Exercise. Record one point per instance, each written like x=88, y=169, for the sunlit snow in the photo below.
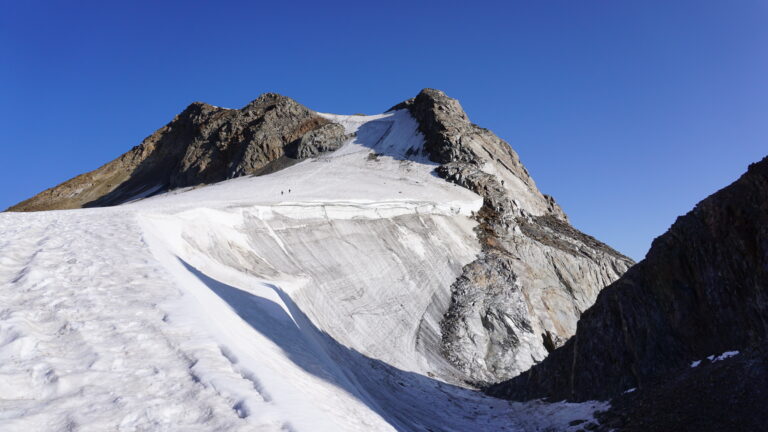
x=304, y=300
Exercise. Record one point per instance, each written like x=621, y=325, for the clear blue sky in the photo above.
x=628, y=113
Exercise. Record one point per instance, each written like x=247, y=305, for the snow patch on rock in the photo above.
x=714, y=358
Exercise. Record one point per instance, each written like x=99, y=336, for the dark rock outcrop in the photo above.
x=701, y=290
x=523, y=295
x=324, y=139
x=474, y=157
x=203, y=144
x=725, y=395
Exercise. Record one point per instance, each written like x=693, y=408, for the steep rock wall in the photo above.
x=701, y=290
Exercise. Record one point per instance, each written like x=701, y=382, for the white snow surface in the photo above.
x=241, y=306
x=715, y=358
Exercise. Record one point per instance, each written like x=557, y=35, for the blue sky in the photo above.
x=628, y=113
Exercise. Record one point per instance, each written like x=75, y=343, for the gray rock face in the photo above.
x=476, y=157
x=487, y=332
x=324, y=139
x=523, y=295
x=702, y=290
x=203, y=144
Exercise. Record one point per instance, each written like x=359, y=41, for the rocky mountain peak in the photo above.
x=202, y=144
x=474, y=157
x=523, y=295
x=273, y=100
x=442, y=104
x=198, y=105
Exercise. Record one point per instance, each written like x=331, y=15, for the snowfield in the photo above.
x=304, y=300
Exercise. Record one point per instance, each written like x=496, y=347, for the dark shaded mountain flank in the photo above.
x=702, y=290
x=203, y=144
x=725, y=395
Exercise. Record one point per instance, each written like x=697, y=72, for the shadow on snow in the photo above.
x=408, y=401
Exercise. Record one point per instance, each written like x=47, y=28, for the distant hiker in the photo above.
x=281, y=192
x=289, y=191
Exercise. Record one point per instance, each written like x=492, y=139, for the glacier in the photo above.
x=308, y=299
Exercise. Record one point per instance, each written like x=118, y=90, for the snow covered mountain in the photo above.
x=358, y=273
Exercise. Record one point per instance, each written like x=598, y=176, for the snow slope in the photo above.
x=305, y=300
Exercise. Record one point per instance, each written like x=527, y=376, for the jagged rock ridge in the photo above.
x=702, y=290
x=203, y=144
x=523, y=295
